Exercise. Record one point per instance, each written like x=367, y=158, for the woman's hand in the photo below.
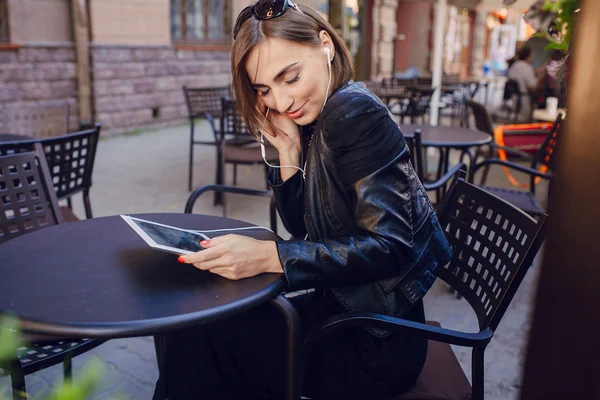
x=287, y=138
x=235, y=257
x=287, y=142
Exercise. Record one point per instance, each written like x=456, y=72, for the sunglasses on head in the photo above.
x=262, y=10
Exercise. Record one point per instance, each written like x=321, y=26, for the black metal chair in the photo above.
x=189, y=205
x=439, y=185
x=236, y=145
x=511, y=104
x=542, y=160
x=483, y=123
x=28, y=202
x=70, y=159
x=493, y=245
x=200, y=103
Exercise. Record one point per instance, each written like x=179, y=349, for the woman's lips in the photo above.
x=297, y=114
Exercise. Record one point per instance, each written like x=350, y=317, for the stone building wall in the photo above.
x=36, y=74
x=137, y=87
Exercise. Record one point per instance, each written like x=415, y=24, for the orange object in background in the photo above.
x=518, y=137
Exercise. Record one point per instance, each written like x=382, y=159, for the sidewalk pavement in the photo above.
x=147, y=172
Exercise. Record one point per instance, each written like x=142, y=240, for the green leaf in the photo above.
x=557, y=46
x=10, y=338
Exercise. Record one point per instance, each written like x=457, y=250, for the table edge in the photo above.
x=112, y=330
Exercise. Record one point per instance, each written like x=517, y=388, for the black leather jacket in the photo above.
x=374, y=242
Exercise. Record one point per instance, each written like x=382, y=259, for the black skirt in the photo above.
x=244, y=357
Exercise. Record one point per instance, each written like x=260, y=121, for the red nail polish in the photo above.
x=205, y=242
x=180, y=259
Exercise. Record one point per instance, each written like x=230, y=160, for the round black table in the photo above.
x=447, y=136
x=97, y=278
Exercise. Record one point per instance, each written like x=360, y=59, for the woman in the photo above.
x=365, y=235
x=522, y=72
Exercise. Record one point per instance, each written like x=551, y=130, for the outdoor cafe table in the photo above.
x=97, y=278
x=448, y=137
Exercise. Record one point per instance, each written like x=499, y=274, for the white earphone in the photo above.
x=263, y=151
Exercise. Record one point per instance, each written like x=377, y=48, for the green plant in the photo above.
x=560, y=29
x=88, y=380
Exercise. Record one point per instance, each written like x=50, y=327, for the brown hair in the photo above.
x=293, y=26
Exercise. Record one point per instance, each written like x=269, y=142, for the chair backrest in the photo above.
x=547, y=151
x=416, y=153
x=483, y=120
x=201, y=101
x=70, y=159
x=27, y=199
x=493, y=244
x=232, y=122
x=511, y=87
x=43, y=120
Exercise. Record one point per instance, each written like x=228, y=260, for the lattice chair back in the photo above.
x=27, y=199
x=546, y=153
x=201, y=101
x=483, y=120
x=493, y=244
x=70, y=160
x=232, y=122
x=41, y=121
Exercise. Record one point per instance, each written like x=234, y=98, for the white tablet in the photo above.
x=166, y=238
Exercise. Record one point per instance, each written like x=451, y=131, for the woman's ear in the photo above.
x=326, y=41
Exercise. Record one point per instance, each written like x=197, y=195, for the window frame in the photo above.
x=224, y=42
x=4, y=10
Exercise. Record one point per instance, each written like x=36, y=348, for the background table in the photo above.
x=11, y=137
x=543, y=115
x=97, y=278
x=447, y=136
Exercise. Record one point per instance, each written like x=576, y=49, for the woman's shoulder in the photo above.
x=351, y=101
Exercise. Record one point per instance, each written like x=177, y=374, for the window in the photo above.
x=4, y=21
x=200, y=20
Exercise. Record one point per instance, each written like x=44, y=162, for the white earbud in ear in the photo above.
x=328, y=54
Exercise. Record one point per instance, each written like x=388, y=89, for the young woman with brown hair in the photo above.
x=364, y=234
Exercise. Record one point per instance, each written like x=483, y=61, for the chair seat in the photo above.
x=68, y=214
x=248, y=154
x=44, y=350
x=442, y=377
x=524, y=200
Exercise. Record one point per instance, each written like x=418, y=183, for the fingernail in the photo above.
x=180, y=259
x=205, y=242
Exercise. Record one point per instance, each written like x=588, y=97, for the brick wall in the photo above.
x=34, y=74
x=131, y=83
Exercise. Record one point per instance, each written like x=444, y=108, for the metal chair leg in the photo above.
x=87, y=204
x=273, y=214
x=294, y=330
x=69, y=203
x=234, y=174
x=477, y=365
x=191, y=159
x=67, y=369
x=17, y=378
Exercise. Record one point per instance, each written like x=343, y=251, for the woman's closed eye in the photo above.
x=266, y=91
x=293, y=80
